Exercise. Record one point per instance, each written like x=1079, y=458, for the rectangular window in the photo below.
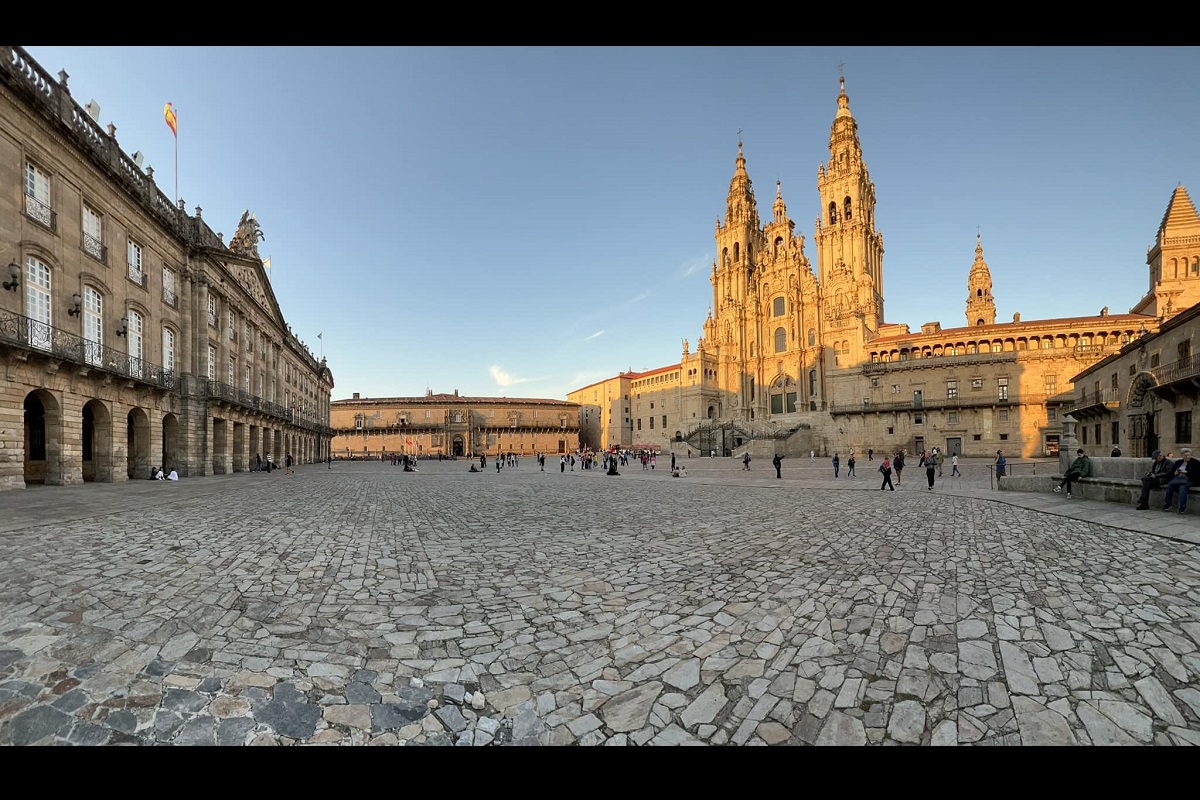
x=169, y=286
x=232, y=326
x=93, y=233
x=1183, y=426
x=212, y=311
x=975, y=437
x=246, y=378
x=1002, y=388
x=1116, y=432
x=952, y=417
x=664, y=421
x=895, y=388
x=212, y=363
x=37, y=195
x=133, y=256
x=232, y=372
x=996, y=347
x=776, y=404
x=1097, y=427
x=918, y=419
x=1154, y=359
x=249, y=333
x=790, y=402
x=778, y=307
x=651, y=423
x=1051, y=414
x=1115, y=383
x=1004, y=437
x=1004, y=415
x=93, y=326
x=951, y=389
x=639, y=423
x=976, y=384
x=1083, y=429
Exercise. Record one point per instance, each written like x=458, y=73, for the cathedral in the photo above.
x=796, y=359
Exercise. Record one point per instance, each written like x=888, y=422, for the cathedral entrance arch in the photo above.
x=457, y=447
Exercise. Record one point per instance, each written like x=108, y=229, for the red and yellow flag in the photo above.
x=169, y=116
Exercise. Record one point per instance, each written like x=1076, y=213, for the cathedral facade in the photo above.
x=796, y=357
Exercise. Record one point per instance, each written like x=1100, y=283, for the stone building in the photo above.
x=450, y=425
x=1143, y=398
x=796, y=357
x=131, y=336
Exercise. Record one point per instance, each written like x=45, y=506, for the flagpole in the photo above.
x=176, y=169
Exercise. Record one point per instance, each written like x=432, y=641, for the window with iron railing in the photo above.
x=134, y=260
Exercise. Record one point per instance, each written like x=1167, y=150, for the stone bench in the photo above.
x=1115, y=480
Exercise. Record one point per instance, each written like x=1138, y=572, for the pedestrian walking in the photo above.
x=329, y=461
x=898, y=465
x=850, y=467
x=746, y=462
x=954, y=473
x=777, y=461
x=812, y=456
x=885, y=469
x=837, y=464
x=1002, y=466
x=930, y=470
x=288, y=464
x=672, y=461
x=257, y=463
x=870, y=454
x=937, y=454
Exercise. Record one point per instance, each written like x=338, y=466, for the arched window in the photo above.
x=134, y=331
x=737, y=252
x=812, y=381
x=168, y=354
x=846, y=213
x=37, y=302
x=93, y=326
x=778, y=307
x=833, y=213
x=780, y=340
x=979, y=292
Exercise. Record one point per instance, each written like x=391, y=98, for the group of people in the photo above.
x=1177, y=476
x=156, y=474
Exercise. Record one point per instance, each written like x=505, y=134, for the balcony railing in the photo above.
x=243, y=397
x=169, y=296
x=94, y=248
x=37, y=210
x=136, y=275
x=1184, y=369
x=962, y=400
x=34, y=336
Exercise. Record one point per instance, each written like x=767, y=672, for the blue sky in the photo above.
x=524, y=221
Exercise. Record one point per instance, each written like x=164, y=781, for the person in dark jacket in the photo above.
x=1157, y=476
x=778, y=462
x=1184, y=476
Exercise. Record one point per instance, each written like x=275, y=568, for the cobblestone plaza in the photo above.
x=365, y=605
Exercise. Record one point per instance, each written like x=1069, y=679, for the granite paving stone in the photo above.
x=367, y=606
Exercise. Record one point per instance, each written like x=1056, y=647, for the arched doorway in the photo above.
x=457, y=447
x=170, y=443
x=97, y=442
x=43, y=436
x=137, y=439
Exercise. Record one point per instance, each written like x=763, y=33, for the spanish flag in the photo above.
x=169, y=115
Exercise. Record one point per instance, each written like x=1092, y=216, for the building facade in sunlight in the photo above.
x=449, y=425
x=797, y=356
x=131, y=335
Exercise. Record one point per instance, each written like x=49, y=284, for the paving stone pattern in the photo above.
x=367, y=606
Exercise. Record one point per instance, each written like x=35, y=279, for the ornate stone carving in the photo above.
x=245, y=241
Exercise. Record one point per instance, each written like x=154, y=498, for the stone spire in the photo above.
x=981, y=308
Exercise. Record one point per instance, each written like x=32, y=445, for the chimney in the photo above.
x=356, y=395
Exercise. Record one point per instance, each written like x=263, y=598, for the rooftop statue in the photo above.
x=245, y=241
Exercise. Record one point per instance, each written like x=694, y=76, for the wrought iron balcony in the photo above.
x=136, y=275
x=38, y=337
x=1183, y=370
x=94, y=248
x=224, y=392
x=40, y=212
x=961, y=400
x=168, y=296
x=1095, y=403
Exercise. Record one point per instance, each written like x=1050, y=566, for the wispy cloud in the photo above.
x=637, y=299
x=502, y=378
x=594, y=335
x=699, y=264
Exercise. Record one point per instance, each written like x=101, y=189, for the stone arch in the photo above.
x=43, y=439
x=170, y=443
x=137, y=453
x=1139, y=387
x=97, y=457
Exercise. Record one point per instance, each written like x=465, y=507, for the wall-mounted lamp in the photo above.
x=14, y=275
x=76, y=303
x=124, y=329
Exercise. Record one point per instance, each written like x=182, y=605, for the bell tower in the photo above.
x=849, y=249
x=1174, y=261
x=981, y=308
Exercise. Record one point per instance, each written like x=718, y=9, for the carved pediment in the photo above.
x=249, y=279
